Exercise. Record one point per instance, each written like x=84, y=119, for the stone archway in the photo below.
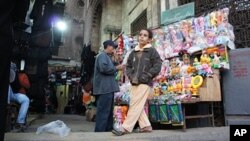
x=96, y=27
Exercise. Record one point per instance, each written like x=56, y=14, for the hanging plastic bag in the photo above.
x=55, y=127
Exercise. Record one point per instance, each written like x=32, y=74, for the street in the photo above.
x=83, y=130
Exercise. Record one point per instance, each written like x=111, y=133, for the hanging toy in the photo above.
x=200, y=26
x=186, y=30
x=210, y=37
x=219, y=15
x=118, y=75
x=120, y=46
x=213, y=20
x=116, y=125
x=124, y=112
x=207, y=22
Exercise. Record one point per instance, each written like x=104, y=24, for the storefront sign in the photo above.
x=177, y=14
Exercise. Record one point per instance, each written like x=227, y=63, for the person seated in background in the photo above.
x=15, y=95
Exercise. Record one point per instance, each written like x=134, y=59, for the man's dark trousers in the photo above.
x=104, y=115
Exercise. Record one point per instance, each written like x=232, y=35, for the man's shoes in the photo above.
x=20, y=127
x=119, y=133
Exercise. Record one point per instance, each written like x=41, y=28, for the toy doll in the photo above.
x=175, y=69
x=164, y=88
x=178, y=87
x=219, y=16
x=186, y=28
x=157, y=91
x=170, y=87
x=201, y=25
x=213, y=20
x=225, y=13
x=207, y=69
x=210, y=37
x=186, y=85
x=168, y=50
x=216, y=61
x=175, y=38
x=204, y=59
x=207, y=22
x=186, y=62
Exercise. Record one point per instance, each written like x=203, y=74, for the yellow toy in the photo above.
x=157, y=91
x=179, y=87
x=205, y=59
x=175, y=69
x=213, y=19
x=196, y=84
x=170, y=89
x=186, y=85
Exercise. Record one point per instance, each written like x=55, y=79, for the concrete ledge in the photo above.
x=195, y=134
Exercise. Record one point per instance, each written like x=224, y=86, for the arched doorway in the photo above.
x=96, y=28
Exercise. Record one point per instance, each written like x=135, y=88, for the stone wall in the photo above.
x=73, y=17
x=111, y=19
x=133, y=8
x=115, y=14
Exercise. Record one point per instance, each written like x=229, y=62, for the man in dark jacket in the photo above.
x=104, y=86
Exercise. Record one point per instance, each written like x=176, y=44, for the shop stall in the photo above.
x=64, y=91
x=193, y=51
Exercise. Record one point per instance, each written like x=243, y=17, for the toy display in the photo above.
x=190, y=50
x=194, y=34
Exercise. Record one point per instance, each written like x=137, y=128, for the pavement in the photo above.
x=83, y=130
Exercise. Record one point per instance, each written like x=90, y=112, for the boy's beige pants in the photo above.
x=138, y=98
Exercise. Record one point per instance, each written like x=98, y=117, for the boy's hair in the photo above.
x=150, y=33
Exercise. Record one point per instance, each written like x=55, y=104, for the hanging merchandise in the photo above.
x=194, y=34
x=120, y=113
x=122, y=97
x=120, y=49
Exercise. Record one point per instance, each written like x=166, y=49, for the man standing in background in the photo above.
x=104, y=87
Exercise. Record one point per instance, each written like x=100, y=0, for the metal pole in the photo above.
x=52, y=33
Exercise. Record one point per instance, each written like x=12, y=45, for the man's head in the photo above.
x=109, y=46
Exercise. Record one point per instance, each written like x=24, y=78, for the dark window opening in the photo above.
x=139, y=23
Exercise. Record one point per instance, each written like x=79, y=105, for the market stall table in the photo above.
x=196, y=101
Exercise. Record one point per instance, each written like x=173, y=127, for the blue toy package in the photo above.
x=176, y=114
